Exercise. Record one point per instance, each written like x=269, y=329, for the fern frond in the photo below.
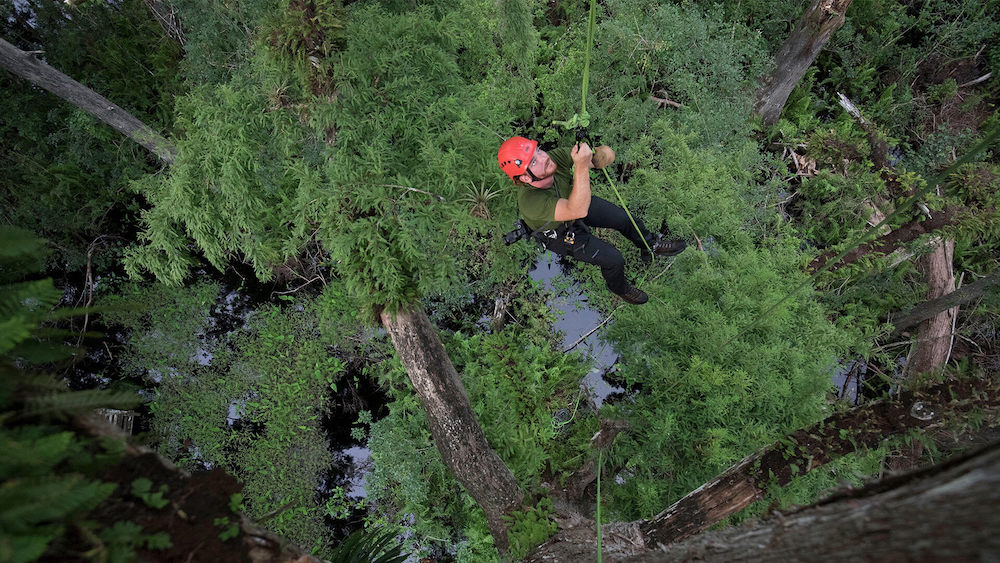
x=18, y=243
x=12, y=331
x=37, y=382
x=24, y=502
x=79, y=402
x=33, y=299
x=33, y=351
x=27, y=454
x=364, y=546
x=28, y=547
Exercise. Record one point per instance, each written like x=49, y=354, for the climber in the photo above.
x=556, y=206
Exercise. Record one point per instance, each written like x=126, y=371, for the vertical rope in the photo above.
x=600, y=468
x=586, y=61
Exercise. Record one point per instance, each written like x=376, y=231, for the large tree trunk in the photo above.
x=944, y=513
x=746, y=482
x=37, y=72
x=797, y=54
x=935, y=335
x=452, y=422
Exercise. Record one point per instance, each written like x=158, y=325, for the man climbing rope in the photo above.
x=556, y=205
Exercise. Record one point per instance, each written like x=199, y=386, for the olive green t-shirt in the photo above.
x=537, y=205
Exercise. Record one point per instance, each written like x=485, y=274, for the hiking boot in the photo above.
x=664, y=247
x=634, y=295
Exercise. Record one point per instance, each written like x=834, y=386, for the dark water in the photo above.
x=576, y=318
x=240, y=298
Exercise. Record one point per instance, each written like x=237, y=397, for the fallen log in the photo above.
x=946, y=512
x=776, y=465
x=805, y=450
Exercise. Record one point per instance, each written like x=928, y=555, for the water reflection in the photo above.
x=577, y=319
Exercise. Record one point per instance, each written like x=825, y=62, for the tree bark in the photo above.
x=934, y=337
x=885, y=244
x=776, y=465
x=453, y=424
x=796, y=55
x=943, y=513
x=966, y=293
x=44, y=76
x=805, y=450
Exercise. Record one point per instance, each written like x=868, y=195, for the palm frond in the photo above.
x=366, y=546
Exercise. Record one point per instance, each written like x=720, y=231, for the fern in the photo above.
x=31, y=451
x=44, y=482
x=367, y=546
x=66, y=404
x=13, y=330
x=28, y=547
x=31, y=501
x=34, y=298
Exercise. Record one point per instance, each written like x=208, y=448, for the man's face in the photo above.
x=541, y=166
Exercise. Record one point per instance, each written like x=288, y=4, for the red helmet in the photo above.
x=515, y=155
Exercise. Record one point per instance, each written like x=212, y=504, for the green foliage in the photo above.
x=853, y=469
x=265, y=160
x=514, y=389
x=65, y=175
x=368, y=546
x=226, y=189
x=48, y=473
x=229, y=529
x=143, y=489
x=250, y=401
x=164, y=325
x=122, y=538
x=361, y=128
x=719, y=378
x=530, y=528
x=888, y=50
x=406, y=116
x=677, y=52
x=236, y=502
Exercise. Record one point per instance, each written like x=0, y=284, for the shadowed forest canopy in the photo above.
x=335, y=185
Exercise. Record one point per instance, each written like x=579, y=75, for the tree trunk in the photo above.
x=944, y=513
x=805, y=450
x=795, y=455
x=887, y=243
x=40, y=74
x=797, y=54
x=928, y=309
x=452, y=422
x=935, y=335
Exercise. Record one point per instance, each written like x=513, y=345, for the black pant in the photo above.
x=592, y=250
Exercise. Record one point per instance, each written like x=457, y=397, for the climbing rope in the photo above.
x=600, y=468
x=581, y=121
